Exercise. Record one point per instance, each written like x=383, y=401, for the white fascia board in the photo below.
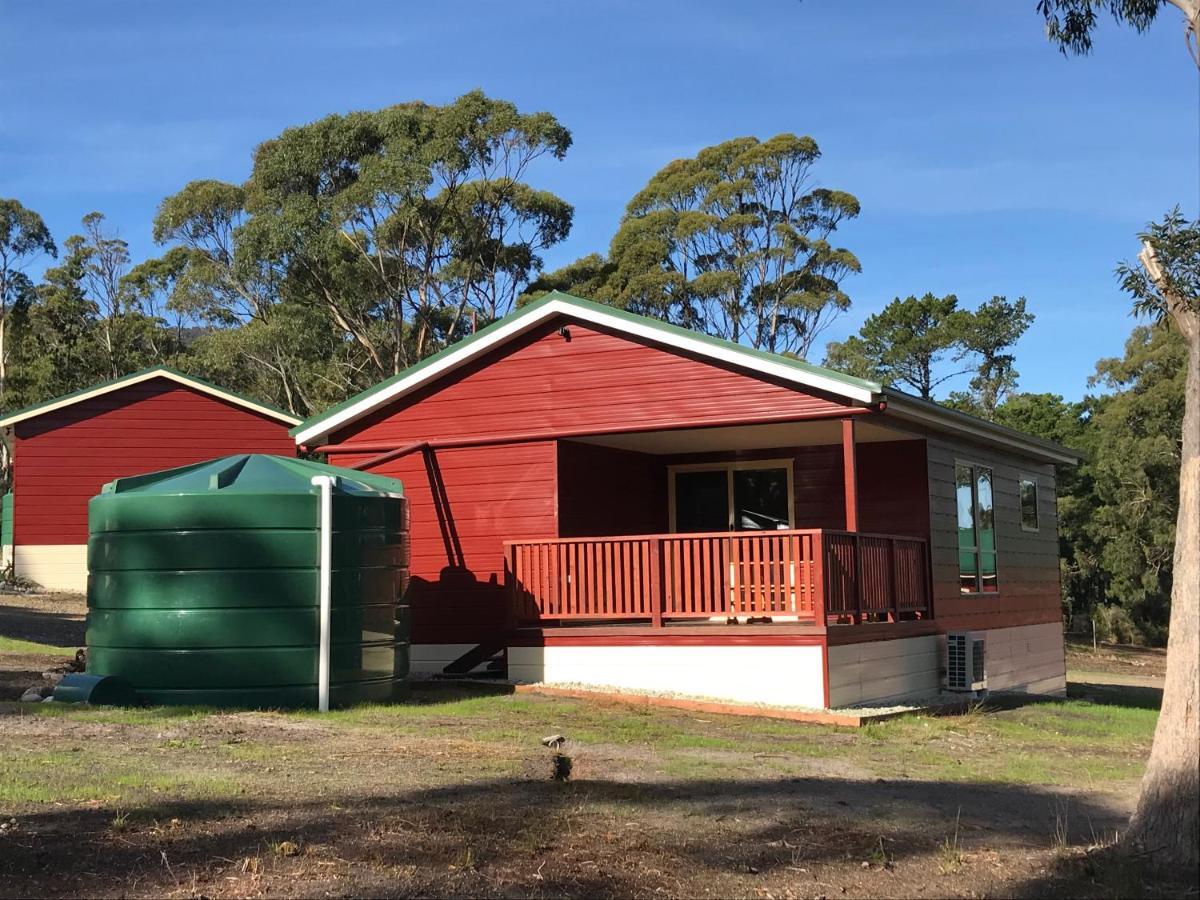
x=101, y=390
x=522, y=324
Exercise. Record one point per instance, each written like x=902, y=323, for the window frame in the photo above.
x=977, y=551
x=729, y=468
x=1023, y=479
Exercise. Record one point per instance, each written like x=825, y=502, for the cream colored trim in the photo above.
x=56, y=567
x=729, y=468
x=521, y=324
x=121, y=383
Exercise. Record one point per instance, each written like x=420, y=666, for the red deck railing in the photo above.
x=810, y=576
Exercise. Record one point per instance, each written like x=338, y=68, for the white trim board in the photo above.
x=138, y=378
x=521, y=324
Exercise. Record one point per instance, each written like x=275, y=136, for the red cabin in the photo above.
x=601, y=498
x=65, y=450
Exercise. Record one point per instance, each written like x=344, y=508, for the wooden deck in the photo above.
x=812, y=577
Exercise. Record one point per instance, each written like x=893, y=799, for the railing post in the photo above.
x=858, y=613
x=820, y=606
x=656, y=586
x=894, y=612
x=510, y=582
x=850, y=474
x=927, y=562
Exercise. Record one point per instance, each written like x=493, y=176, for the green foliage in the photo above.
x=404, y=223
x=1176, y=246
x=734, y=242
x=910, y=341
x=86, y=322
x=23, y=237
x=1071, y=23
x=1136, y=470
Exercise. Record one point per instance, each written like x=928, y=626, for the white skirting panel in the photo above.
x=881, y=672
x=781, y=676
x=431, y=659
x=56, y=567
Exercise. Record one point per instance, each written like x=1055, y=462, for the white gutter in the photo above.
x=325, y=526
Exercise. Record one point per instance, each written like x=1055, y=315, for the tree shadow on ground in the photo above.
x=1108, y=872
x=24, y=623
x=708, y=828
x=1127, y=695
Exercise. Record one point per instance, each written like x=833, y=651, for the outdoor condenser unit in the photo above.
x=965, y=668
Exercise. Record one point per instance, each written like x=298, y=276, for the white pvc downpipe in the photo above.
x=325, y=531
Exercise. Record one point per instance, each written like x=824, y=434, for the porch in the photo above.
x=807, y=577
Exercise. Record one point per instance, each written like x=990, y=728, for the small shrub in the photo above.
x=1114, y=625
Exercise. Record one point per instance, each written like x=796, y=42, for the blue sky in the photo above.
x=986, y=163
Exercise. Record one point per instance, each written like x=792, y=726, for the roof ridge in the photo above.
x=571, y=300
x=34, y=409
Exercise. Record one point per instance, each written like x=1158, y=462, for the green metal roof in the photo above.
x=104, y=387
x=254, y=473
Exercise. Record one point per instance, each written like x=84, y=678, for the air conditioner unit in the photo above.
x=965, y=668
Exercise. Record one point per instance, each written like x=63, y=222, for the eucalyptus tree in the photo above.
x=247, y=337
x=407, y=223
x=735, y=242
x=23, y=237
x=1165, y=284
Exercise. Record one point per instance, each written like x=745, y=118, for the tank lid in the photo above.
x=255, y=473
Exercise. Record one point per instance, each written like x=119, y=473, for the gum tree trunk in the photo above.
x=1167, y=821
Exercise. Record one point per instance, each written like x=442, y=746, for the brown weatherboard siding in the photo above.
x=1027, y=561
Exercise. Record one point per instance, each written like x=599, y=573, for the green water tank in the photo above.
x=204, y=584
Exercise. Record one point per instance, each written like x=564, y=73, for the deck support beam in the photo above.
x=850, y=474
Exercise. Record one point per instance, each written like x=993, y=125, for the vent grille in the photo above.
x=956, y=661
x=966, y=668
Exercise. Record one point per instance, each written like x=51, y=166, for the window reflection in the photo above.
x=977, y=567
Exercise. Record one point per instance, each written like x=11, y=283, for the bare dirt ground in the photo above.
x=1117, y=659
x=451, y=794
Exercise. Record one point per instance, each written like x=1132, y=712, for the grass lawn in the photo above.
x=12, y=645
x=451, y=794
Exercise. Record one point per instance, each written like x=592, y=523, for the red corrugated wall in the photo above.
x=595, y=381
x=465, y=502
x=63, y=458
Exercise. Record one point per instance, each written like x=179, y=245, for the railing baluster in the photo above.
x=811, y=574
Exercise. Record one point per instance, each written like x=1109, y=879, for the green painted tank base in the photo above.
x=294, y=697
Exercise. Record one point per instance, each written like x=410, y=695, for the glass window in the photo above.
x=968, y=569
x=985, y=517
x=702, y=501
x=977, y=568
x=1029, y=505
x=731, y=496
x=760, y=499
